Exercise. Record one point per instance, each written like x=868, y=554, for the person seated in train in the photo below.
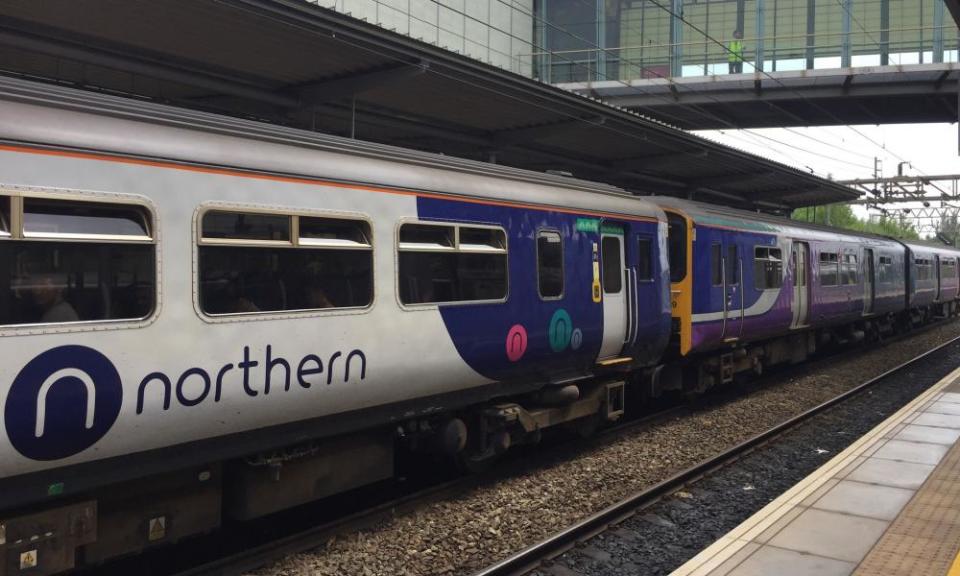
x=46, y=290
x=317, y=298
x=236, y=299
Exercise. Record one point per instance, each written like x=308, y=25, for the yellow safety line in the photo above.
x=955, y=567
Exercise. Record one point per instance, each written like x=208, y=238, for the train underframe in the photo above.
x=700, y=373
x=128, y=518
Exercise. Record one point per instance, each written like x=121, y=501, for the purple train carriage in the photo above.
x=750, y=290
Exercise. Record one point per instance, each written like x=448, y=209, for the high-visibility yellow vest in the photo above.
x=736, y=51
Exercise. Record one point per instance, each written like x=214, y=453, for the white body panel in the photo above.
x=179, y=163
x=408, y=353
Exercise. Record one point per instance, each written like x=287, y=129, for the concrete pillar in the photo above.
x=543, y=59
x=845, y=55
x=761, y=32
x=676, y=38
x=773, y=54
x=811, y=32
x=884, y=32
x=741, y=8
x=938, y=13
x=601, y=72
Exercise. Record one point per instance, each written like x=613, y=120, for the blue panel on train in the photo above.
x=526, y=335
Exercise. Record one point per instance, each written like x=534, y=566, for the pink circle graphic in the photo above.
x=516, y=342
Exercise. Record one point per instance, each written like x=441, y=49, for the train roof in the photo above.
x=103, y=124
x=927, y=244
x=756, y=221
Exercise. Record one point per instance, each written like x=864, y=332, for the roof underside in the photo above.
x=292, y=63
x=954, y=6
x=862, y=95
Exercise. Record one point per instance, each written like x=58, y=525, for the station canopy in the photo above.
x=293, y=63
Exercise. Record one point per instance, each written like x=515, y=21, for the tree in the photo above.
x=842, y=216
x=948, y=229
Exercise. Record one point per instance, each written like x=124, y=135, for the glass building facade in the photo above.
x=499, y=32
x=586, y=40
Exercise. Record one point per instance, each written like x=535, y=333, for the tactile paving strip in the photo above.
x=925, y=538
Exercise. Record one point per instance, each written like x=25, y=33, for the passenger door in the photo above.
x=869, y=281
x=732, y=290
x=614, y=295
x=936, y=265
x=800, y=260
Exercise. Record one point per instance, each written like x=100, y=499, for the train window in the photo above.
x=612, y=265
x=946, y=268
x=246, y=226
x=5, y=217
x=94, y=261
x=677, y=246
x=448, y=263
x=550, y=264
x=333, y=233
x=481, y=240
x=644, y=260
x=48, y=218
x=716, y=266
x=885, y=272
x=767, y=268
x=427, y=237
x=849, y=267
x=924, y=269
x=733, y=266
x=249, y=263
x=828, y=269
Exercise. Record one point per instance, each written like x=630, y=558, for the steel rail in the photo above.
x=534, y=556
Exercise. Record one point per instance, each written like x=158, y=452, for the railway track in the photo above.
x=542, y=553
x=254, y=557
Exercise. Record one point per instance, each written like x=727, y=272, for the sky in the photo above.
x=848, y=152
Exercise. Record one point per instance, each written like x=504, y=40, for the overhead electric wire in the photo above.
x=806, y=151
x=642, y=69
x=872, y=39
x=776, y=80
x=826, y=143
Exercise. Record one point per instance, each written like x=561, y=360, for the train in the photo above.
x=208, y=319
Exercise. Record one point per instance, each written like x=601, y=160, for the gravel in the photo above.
x=677, y=528
x=466, y=533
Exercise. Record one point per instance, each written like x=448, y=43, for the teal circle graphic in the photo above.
x=561, y=328
x=576, y=339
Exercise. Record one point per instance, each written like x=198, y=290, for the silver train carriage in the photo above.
x=205, y=317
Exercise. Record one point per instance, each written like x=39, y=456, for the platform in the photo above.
x=887, y=505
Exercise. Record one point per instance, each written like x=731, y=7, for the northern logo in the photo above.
x=62, y=402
